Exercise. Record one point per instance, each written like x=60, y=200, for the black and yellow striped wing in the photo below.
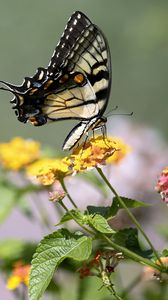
x=76, y=84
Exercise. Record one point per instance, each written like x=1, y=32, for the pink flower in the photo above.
x=162, y=185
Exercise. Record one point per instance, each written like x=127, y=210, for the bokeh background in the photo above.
x=137, y=32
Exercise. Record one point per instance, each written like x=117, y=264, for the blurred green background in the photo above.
x=137, y=32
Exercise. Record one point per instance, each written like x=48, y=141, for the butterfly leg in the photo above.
x=104, y=134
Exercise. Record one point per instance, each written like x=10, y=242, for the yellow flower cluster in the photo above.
x=49, y=170
x=19, y=275
x=18, y=153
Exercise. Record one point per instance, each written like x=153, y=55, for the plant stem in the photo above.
x=134, y=220
x=131, y=254
x=114, y=293
x=75, y=219
x=68, y=195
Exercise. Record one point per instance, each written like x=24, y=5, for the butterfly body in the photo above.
x=75, y=85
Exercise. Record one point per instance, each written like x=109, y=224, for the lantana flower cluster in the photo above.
x=18, y=153
x=21, y=154
x=19, y=275
x=162, y=185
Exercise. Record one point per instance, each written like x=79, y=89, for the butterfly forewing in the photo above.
x=67, y=41
x=75, y=85
x=87, y=54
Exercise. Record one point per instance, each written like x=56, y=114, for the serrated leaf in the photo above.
x=67, y=217
x=52, y=250
x=130, y=203
x=100, y=210
x=99, y=223
x=110, y=211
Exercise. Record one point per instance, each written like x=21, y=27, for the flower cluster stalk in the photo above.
x=134, y=220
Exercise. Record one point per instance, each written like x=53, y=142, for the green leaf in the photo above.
x=67, y=217
x=52, y=250
x=7, y=201
x=99, y=223
x=110, y=211
x=130, y=203
x=128, y=238
x=165, y=252
x=100, y=210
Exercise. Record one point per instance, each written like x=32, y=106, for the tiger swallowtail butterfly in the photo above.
x=75, y=85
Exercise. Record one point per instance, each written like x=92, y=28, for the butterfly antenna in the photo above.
x=124, y=114
x=109, y=113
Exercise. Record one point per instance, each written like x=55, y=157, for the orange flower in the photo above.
x=19, y=275
x=98, y=151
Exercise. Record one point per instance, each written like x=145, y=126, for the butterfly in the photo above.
x=75, y=85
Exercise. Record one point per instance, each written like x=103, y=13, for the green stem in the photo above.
x=129, y=213
x=75, y=219
x=131, y=254
x=68, y=195
x=114, y=293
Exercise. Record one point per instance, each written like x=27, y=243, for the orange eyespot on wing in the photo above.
x=64, y=79
x=33, y=121
x=32, y=91
x=79, y=78
x=47, y=84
